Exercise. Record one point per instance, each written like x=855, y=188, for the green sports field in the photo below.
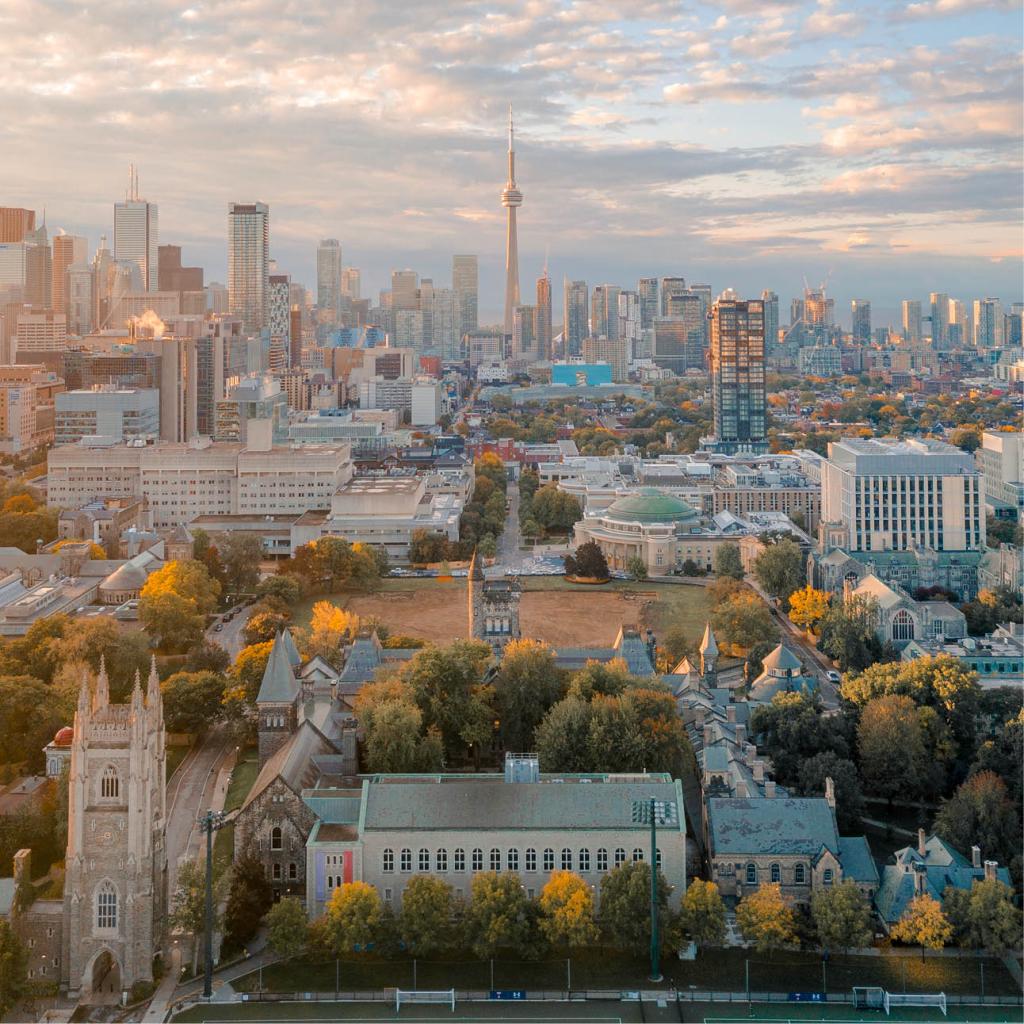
x=809, y=1013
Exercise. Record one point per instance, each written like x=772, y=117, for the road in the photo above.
x=230, y=637
x=509, y=555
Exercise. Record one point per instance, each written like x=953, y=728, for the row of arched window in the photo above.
x=507, y=860
x=751, y=874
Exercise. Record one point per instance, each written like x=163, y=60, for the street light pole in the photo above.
x=209, y=823
x=655, y=969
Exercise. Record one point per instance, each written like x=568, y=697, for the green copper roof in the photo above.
x=650, y=506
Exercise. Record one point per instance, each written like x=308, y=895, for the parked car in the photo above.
x=834, y=677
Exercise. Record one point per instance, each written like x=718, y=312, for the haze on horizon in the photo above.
x=743, y=143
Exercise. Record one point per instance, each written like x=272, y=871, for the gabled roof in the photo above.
x=791, y=826
x=855, y=857
x=708, y=644
x=279, y=685
x=632, y=648
x=293, y=762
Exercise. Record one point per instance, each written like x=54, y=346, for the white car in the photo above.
x=834, y=677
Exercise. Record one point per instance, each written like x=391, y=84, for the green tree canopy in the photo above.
x=728, y=562
x=250, y=897
x=780, y=568
x=625, y=912
x=287, y=929
x=842, y=917
x=499, y=915
x=703, y=913
x=526, y=685
x=193, y=701
x=984, y=917
x=427, y=921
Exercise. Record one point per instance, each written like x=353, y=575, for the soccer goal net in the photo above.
x=446, y=997
x=866, y=997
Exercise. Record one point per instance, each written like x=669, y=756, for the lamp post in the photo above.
x=209, y=823
x=654, y=812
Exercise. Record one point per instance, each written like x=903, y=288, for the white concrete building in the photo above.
x=106, y=411
x=426, y=403
x=1001, y=460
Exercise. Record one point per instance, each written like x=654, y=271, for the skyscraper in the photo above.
x=940, y=319
x=405, y=286
x=15, y=223
x=511, y=199
x=279, y=320
x=689, y=307
x=860, y=310
x=670, y=286
x=67, y=249
x=328, y=276
x=911, y=321
x=604, y=311
x=737, y=375
x=988, y=323
x=465, y=282
x=958, y=329
x=629, y=322
x=771, y=320
x=38, y=268
x=248, y=263
x=524, y=341
x=575, y=309
x=647, y=289
x=350, y=284
x=542, y=316
x=135, y=233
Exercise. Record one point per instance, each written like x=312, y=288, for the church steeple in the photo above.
x=101, y=695
x=709, y=656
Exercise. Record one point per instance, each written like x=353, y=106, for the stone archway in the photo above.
x=102, y=981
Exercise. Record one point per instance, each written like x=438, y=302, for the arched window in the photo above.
x=275, y=838
x=567, y=860
x=799, y=875
x=424, y=860
x=902, y=625
x=584, y=860
x=512, y=860
x=330, y=883
x=549, y=860
x=106, y=906
x=478, y=860
x=441, y=860
x=638, y=854
x=531, y=860
x=405, y=860
x=751, y=874
x=388, y=861
x=620, y=856
x=829, y=876
x=602, y=860
x=495, y=860
x=459, y=860
x=110, y=783
x=776, y=873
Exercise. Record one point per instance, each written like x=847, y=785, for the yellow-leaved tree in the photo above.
x=807, y=607
x=329, y=628
x=923, y=924
x=567, y=906
x=766, y=918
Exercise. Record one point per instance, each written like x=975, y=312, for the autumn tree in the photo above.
x=625, y=911
x=743, y=620
x=984, y=916
x=780, y=569
x=250, y=897
x=981, y=813
x=188, y=579
x=892, y=747
x=842, y=917
x=193, y=701
x=330, y=628
x=14, y=984
x=703, y=913
x=354, y=917
x=766, y=918
x=251, y=663
x=499, y=915
x=427, y=921
x=808, y=607
x=528, y=682
x=728, y=562
x=287, y=928
x=174, y=603
x=567, y=911
x=923, y=924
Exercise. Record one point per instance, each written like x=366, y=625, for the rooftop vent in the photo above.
x=522, y=768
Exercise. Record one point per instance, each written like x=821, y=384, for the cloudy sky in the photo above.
x=747, y=143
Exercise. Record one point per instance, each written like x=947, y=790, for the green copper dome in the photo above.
x=650, y=506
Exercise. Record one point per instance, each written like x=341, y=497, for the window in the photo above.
x=531, y=860
x=602, y=860
x=620, y=856
x=441, y=860
x=106, y=906
x=460, y=860
x=478, y=860
x=584, y=860
x=405, y=860
x=110, y=783
x=638, y=854
x=330, y=883
x=798, y=874
x=751, y=874
x=293, y=872
x=275, y=838
x=902, y=625
x=512, y=860
x=388, y=861
x=829, y=876
x=495, y=860
x=776, y=873
x=567, y=860
x=277, y=872
x=424, y=860
x=387, y=895
x=549, y=860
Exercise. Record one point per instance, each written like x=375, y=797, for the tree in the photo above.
x=780, y=568
x=207, y=656
x=625, y=912
x=983, y=917
x=811, y=777
x=330, y=628
x=848, y=633
x=20, y=503
x=241, y=554
x=427, y=546
x=567, y=911
x=188, y=906
x=193, y=701
x=354, y=917
x=841, y=916
x=250, y=897
x=588, y=562
x=526, y=685
x=703, y=913
x=263, y=626
x=499, y=915
x=283, y=586
x=488, y=546
x=923, y=924
x=394, y=739
x=766, y=918
x=637, y=568
x=249, y=667
x=555, y=510
x=891, y=745
x=742, y=621
x=30, y=714
x=980, y=813
x=808, y=607
x=330, y=564
x=562, y=740
x=727, y=561
x=186, y=579
x=426, y=923
x=14, y=984
x=287, y=929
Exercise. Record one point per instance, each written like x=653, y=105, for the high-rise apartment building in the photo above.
x=670, y=286
x=911, y=309
x=444, y=323
x=647, y=289
x=38, y=269
x=511, y=199
x=689, y=308
x=279, y=320
x=604, y=311
x=79, y=298
x=737, y=375
x=542, y=317
x=67, y=249
x=988, y=323
x=15, y=223
x=405, y=286
x=630, y=330
x=12, y=270
x=576, y=317
x=613, y=351
x=958, y=332
x=669, y=343
x=819, y=316
x=903, y=495
x=136, y=235
x=524, y=341
x=328, y=277
x=465, y=282
x=860, y=310
x=249, y=263
x=771, y=320
x=939, y=319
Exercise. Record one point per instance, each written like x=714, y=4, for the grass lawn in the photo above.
x=247, y=767
x=724, y=1013
x=596, y=1012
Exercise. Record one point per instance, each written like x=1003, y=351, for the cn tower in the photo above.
x=511, y=199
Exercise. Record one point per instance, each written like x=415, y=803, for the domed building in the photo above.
x=781, y=672
x=123, y=584
x=661, y=530
x=58, y=751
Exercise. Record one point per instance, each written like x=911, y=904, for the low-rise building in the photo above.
x=107, y=411
x=997, y=659
x=901, y=618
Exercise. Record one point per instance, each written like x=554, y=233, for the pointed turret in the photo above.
x=292, y=652
x=279, y=685
x=138, y=703
x=708, y=655
x=101, y=695
x=84, y=697
x=154, y=699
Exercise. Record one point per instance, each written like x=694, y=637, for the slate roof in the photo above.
x=630, y=645
x=788, y=826
x=781, y=659
x=708, y=644
x=279, y=685
x=293, y=762
x=294, y=658
x=858, y=864
x=366, y=655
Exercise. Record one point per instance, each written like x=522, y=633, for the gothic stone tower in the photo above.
x=493, y=607
x=115, y=889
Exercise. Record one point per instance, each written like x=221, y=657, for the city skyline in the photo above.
x=741, y=144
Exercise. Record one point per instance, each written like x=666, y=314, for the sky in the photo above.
x=747, y=143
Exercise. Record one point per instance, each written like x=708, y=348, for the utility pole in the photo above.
x=209, y=823
x=653, y=812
